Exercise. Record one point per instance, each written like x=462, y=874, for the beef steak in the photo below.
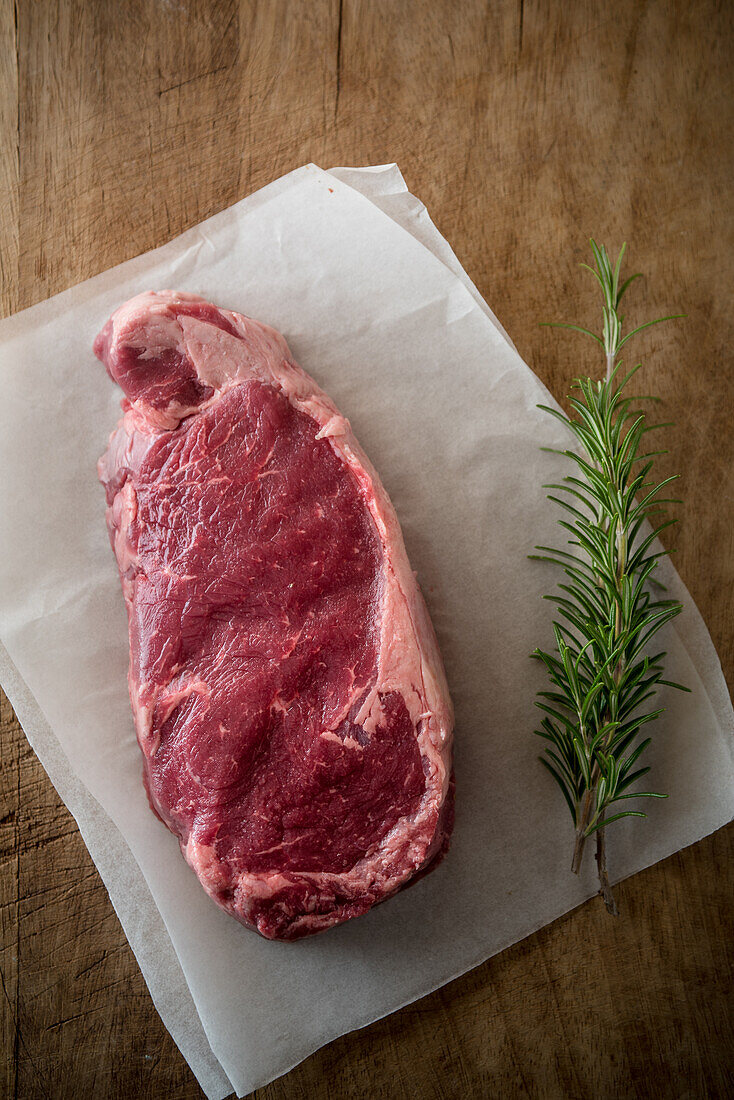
x=288, y=694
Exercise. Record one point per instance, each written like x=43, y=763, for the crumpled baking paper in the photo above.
x=376, y=307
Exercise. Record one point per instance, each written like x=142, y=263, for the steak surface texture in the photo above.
x=287, y=690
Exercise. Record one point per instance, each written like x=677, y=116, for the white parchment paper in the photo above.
x=376, y=307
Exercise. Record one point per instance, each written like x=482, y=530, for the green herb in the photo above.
x=602, y=672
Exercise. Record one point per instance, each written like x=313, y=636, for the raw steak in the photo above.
x=288, y=694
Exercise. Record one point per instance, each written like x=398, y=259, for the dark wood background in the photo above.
x=526, y=127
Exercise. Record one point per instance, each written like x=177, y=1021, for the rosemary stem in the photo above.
x=622, y=550
x=578, y=848
x=587, y=812
x=590, y=796
x=601, y=862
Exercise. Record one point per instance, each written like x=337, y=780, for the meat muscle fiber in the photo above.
x=287, y=690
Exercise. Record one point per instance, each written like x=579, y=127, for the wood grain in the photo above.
x=525, y=127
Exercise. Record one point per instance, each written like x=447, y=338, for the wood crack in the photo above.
x=338, y=58
x=66, y=1020
x=191, y=79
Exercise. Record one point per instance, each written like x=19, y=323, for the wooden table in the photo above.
x=525, y=128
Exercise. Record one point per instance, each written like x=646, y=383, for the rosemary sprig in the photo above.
x=602, y=672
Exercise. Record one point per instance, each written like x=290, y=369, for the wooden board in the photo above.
x=526, y=128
